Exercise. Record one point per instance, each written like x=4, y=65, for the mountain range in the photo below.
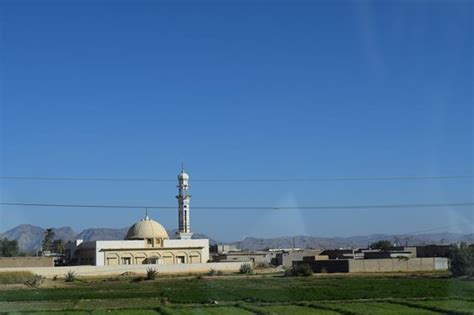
x=29, y=238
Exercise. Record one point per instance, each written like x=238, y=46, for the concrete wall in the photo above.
x=326, y=266
x=6, y=262
x=254, y=257
x=191, y=244
x=376, y=265
x=394, y=265
x=433, y=251
x=286, y=258
x=84, y=271
x=100, y=245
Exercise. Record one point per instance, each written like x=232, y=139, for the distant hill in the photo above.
x=29, y=236
x=102, y=234
x=352, y=241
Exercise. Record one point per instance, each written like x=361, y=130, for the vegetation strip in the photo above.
x=429, y=308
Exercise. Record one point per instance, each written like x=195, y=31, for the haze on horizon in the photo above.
x=239, y=90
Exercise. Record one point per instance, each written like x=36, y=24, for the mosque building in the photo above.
x=147, y=241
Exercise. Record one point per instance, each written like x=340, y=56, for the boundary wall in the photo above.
x=22, y=262
x=376, y=265
x=395, y=264
x=84, y=271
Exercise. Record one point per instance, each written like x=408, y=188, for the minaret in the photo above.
x=184, y=229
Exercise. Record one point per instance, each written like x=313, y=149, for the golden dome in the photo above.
x=146, y=229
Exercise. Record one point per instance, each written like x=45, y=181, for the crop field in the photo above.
x=270, y=294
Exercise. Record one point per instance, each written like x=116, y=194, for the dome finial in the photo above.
x=146, y=218
x=182, y=167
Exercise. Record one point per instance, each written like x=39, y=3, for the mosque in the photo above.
x=147, y=241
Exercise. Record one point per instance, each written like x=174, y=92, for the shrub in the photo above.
x=151, y=274
x=70, y=276
x=214, y=272
x=246, y=268
x=383, y=245
x=403, y=258
x=35, y=281
x=288, y=272
x=137, y=279
x=462, y=261
x=262, y=265
x=304, y=270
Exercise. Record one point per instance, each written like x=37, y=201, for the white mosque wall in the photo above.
x=100, y=245
x=192, y=243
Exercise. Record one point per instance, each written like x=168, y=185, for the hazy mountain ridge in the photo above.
x=302, y=241
x=29, y=238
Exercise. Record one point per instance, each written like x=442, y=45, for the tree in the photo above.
x=58, y=246
x=8, y=248
x=48, y=238
x=462, y=260
x=384, y=245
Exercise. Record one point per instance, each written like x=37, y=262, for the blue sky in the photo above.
x=239, y=89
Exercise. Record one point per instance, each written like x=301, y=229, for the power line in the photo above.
x=315, y=207
x=314, y=179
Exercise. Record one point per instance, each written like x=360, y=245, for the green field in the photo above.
x=270, y=294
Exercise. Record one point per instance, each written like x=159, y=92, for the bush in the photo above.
x=262, y=265
x=304, y=270
x=383, y=245
x=137, y=279
x=214, y=272
x=8, y=248
x=35, y=281
x=462, y=261
x=246, y=268
x=403, y=258
x=70, y=276
x=151, y=274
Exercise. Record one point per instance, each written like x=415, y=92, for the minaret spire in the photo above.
x=184, y=227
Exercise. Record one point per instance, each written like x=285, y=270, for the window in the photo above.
x=126, y=261
x=180, y=260
x=149, y=241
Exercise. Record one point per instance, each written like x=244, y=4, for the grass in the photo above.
x=378, y=308
x=249, y=294
x=295, y=309
x=212, y=310
x=254, y=289
x=17, y=277
x=453, y=305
